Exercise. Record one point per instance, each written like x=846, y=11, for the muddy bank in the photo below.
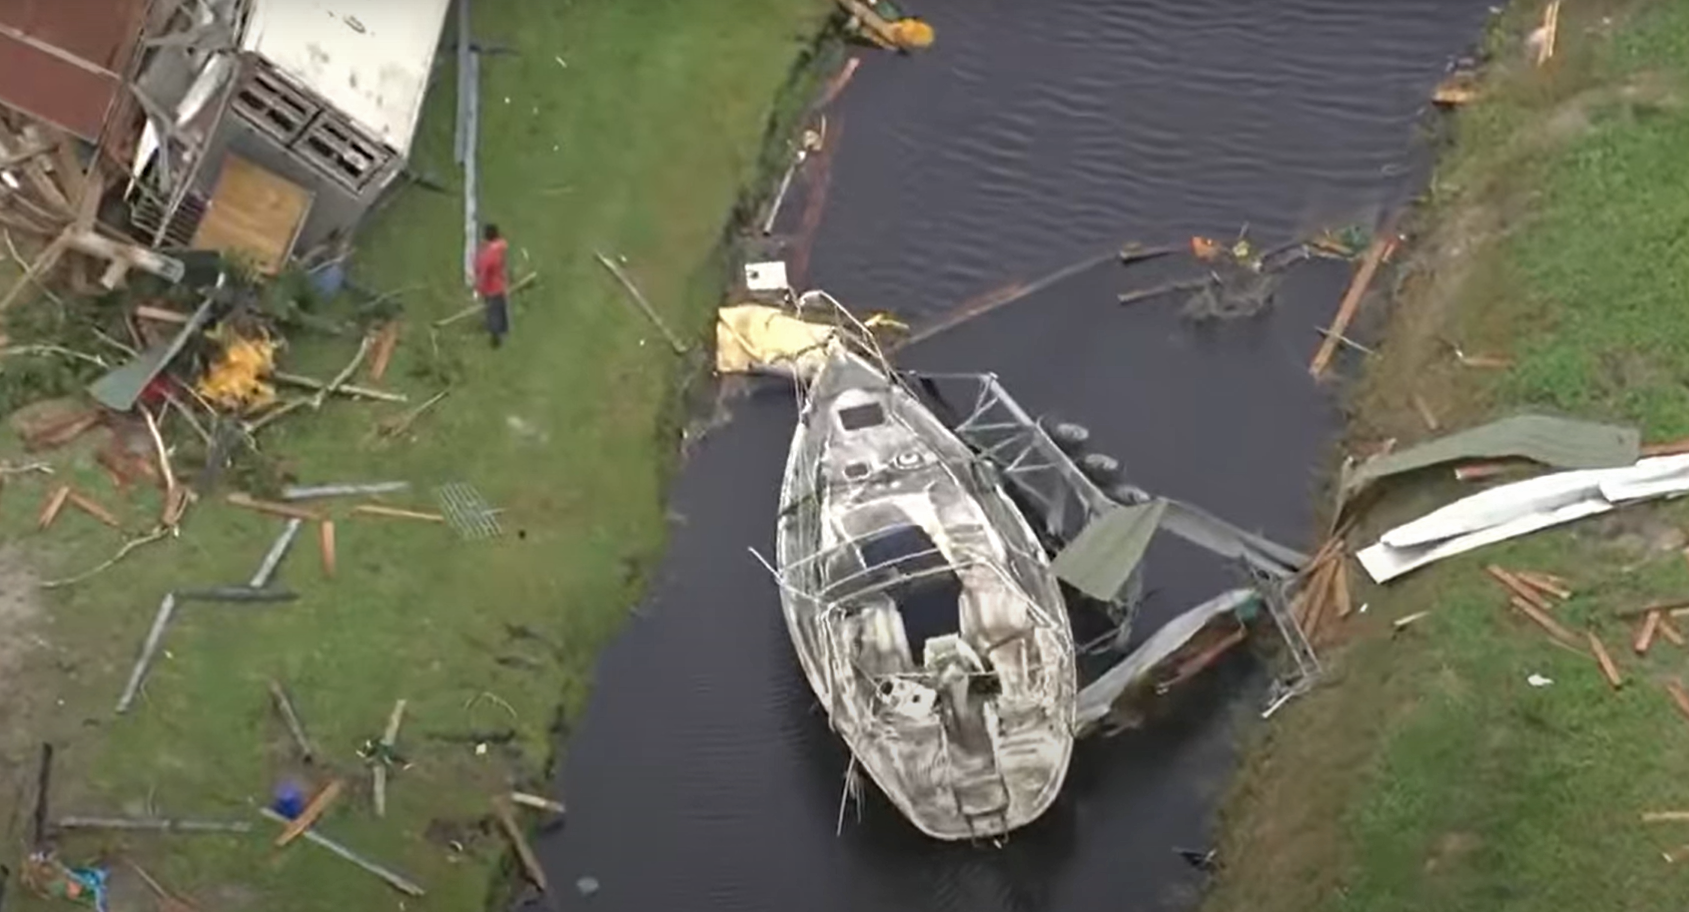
x=1029, y=138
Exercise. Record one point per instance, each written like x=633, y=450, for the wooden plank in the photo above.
x=1678, y=696
x=524, y=852
x=87, y=505
x=396, y=513
x=1375, y=254
x=287, y=511
x=1609, y=670
x=1670, y=631
x=1545, y=582
x=1544, y=621
x=1665, y=816
x=1645, y=636
x=312, y=812
x=325, y=541
x=51, y=508
x=160, y=314
x=1517, y=587
x=385, y=342
x=253, y=212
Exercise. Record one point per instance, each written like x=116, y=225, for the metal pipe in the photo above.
x=155, y=636
x=398, y=881
x=273, y=559
x=153, y=823
x=302, y=492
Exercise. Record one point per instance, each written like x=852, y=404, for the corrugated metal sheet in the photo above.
x=61, y=60
x=371, y=59
x=1559, y=442
x=1101, y=558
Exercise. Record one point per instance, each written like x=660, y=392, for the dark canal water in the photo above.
x=1032, y=136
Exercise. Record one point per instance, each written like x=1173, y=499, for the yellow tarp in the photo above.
x=754, y=338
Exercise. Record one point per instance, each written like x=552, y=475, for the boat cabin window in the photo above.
x=918, y=579
x=858, y=417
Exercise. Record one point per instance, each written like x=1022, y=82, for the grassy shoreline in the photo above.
x=656, y=125
x=1426, y=773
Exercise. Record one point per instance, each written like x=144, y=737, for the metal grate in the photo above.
x=273, y=105
x=467, y=511
x=145, y=215
x=346, y=153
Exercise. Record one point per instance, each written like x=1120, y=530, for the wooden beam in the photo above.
x=1381, y=247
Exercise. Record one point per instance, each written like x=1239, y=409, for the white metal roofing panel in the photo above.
x=368, y=58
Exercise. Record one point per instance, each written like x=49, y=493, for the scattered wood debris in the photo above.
x=524, y=852
x=1381, y=247
x=1403, y=622
x=1549, y=32
x=400, y=425
x=344, y=389
x=386, y=341
x=286, y=511
x=315, y=809
x=149, y=648
x=1518, y=587
x=1665, y=816
x=397, y=881
x=388, y=737
x=1678, y=696
x=52, y=507
x=1609, y=670
x=325, y=545
x=315, y=492
x=91, y=507
x=538, y=802
x=1667, y=448
x=396, y=513
x=295, y=727
x=1645, y=635
x=1425, y=413
x=637, y=297
x=160, y=824
x=1670, y=631
x=1541, y=618
x=1546, y=582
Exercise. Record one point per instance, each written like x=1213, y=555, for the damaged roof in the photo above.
x=368, y=58
x=62, y=61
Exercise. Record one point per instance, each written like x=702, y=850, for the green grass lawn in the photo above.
x=639, y=146
x=1427, y=774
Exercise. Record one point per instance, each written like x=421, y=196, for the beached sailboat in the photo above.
x=922, y=605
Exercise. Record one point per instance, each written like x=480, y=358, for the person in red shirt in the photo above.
x=491, y=283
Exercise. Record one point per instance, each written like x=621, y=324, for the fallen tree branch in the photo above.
x=157, y=534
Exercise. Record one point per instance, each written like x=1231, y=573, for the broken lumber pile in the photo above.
x=49, y=206
x=1324, y=596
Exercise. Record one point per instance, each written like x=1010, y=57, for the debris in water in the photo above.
x=1381, y=247
x=587, y=885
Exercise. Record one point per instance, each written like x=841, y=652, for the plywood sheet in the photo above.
x=253, y=212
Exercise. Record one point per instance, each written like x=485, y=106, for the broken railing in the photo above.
x=1101, y=537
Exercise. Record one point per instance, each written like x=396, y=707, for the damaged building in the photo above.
x=276, y=125
x=266, y=128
